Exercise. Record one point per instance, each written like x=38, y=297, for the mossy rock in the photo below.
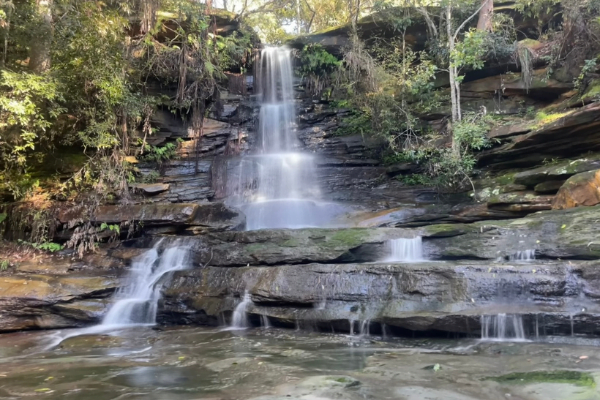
x=522, y=378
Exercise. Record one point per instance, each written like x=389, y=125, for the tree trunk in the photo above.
x=39, y=57
x=485, y=15
x=451, y=68
x=454, y=92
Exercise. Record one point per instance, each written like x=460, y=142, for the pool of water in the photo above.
x=273, y=364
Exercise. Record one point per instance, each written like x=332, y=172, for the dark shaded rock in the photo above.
x=217, y=217
x=399, y=169
x=549, y=187
x=505, y=131
x=579, y=190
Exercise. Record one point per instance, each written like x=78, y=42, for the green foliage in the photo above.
x=28, y=103
x=317, y=67
x=416, y=180
x=111, y=227
x=4, y=264
x=471, y=132
x=151, y=177
x=357, y=123
x=588, y=67
x=45, y=246
x=160, y=154
x=3, y=217
x=471, y=51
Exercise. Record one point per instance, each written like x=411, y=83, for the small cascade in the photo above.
x=240, y=317
x=137, y=302
x=264, y=321
x=407, y=250
x=365, y=327
x=525, y=255
x=502, y=327
x=351, y=323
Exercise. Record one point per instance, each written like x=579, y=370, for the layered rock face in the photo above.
x=331, y=279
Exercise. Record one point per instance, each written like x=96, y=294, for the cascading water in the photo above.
x=240, y=317
x=137, y=301
x=408, y=250
x=277, y=187
x=502, y=327
x=525, y=255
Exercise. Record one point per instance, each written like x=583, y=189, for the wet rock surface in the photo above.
x=445, y=297
x=255, y=364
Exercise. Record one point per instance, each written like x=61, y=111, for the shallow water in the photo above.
x=201, y=363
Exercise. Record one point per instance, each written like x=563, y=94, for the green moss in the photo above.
x=542, y=118
x=444, y=230
x=291, y=243
x=592, y=92
x=347, y=237
x=255, y=248
x=573, y=377
x=505, y=179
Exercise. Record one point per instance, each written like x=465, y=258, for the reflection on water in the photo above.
x=200, y=363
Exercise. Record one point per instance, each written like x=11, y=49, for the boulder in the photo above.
x=579, y=190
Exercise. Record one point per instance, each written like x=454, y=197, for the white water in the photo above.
x=525, y=255
x=137, y=301
x=502, y=327
x=240, y=317
x=277, y=187
x=408, y=250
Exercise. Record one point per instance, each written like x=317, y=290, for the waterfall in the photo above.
x=277, y=186
x=409, y=250
x=525, y=255
x=137, y=302
x=502, y=327
x=240, y=317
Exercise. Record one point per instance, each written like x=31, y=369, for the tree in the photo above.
x=39, y=60
x=485, y=15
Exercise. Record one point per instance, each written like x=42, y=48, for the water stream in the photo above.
x=136, y=302
x=276, y=186
x=502, y=327
x=408, y=250
x=207, y=363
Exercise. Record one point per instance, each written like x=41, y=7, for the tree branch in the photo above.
x=432, y=29
x=466, y=21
